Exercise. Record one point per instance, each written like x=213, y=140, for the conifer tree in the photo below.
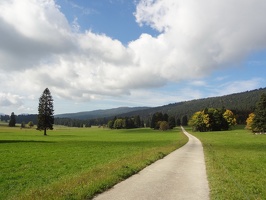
x=184, y=121
x=46, y=112
x=171, y=122
x=12, y=121
x=259, y=121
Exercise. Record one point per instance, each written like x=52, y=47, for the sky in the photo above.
x=101, y=54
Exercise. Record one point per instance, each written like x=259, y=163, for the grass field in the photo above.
x=76, y=163
x=236, y=163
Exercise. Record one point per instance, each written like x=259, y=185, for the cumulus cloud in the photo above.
x=200, y=36
x=237, y=86
x=8, y=99
x=40, y=48
x=32, y=31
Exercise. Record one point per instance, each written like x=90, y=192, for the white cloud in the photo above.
x=205, y=34
x=32, y=31
x=81, y=9
x=198, y=83
x=8, y=99
x=237, y=86
x=40, y=49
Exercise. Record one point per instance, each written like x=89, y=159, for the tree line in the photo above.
x=256, y=122
x=125, y=123
x=212, y=119
x=45, y=117
x=241, y=104
x=20, y=118
x=208, y=119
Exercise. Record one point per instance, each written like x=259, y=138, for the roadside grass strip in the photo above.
x=236, y=163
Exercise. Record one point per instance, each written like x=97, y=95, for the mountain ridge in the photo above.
x=100, y=113
x=242, y=104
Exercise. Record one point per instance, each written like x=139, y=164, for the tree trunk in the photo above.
x=45, y=131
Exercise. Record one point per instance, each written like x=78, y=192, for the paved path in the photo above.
x=180, y=175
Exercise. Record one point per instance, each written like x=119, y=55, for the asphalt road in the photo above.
x=180, y=175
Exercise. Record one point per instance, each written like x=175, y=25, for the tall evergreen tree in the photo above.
x=184, y=121
x=178, y=122
x=171, y=122
x=165, y=117
x=137, y=122
x=46, y=112
x=153, y=121
x=12, y=121
x=157, y=117
x=259, y=121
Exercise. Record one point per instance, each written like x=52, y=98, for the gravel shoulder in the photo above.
x=179, y=175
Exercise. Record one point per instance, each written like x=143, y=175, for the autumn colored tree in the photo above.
x=211, y=119
x=163, y=125
x=200, y=121
x=229, y=117
x=249, y=121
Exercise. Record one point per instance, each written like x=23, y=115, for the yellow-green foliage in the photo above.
x=211, y=119
x=229, y=117
x=249, y=121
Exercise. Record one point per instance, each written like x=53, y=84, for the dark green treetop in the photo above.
x=12, y=121
x=45, y=112
x=259, y=122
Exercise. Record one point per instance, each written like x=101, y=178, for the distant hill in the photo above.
x=240, y=103
x=101, y=113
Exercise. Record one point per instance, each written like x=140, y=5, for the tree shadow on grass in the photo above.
x=24, y=141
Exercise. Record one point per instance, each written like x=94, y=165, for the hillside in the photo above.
x=101, y=113
x=240, y=103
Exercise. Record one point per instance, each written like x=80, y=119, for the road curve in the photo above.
x=179, y=175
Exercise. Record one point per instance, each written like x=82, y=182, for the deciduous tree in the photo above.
x=229, y=117
x=163, y=125
x=30, y=124
x=211, y=119
x=249, y=121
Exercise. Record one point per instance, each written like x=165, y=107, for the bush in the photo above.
x=163, y=125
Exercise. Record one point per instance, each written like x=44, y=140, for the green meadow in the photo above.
x=236, y=163
x=76, y=163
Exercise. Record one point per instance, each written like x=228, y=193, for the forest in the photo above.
x=241, y=104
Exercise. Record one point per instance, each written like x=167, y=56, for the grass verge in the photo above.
x=236, y=163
